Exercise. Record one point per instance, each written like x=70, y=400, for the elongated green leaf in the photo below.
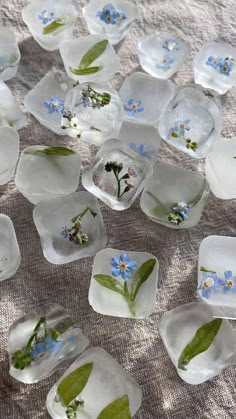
x=141, y=276
x=74, y=383
x=56, y=24
x=118, y=409
x=93, y=53
x=202, y=269
x=200, y=343
x=85, y=71
x=55, y=151
x=110, y=283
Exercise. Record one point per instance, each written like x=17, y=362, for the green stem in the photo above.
x=41, y=322
x=81, y=215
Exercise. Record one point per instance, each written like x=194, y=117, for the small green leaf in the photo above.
x=118, y=409
x=204, y=337
x=202, y=269
x=85, y=71
x=110, y=283
x=93, y=53
x=55, y=151
x=56, y=24
x=141, y=276
x=74, y=383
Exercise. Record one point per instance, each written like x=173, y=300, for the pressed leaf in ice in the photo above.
x=74, y=383
x=109, y=282
x=56, y=24
x=202, y=340
x=55, y=151
x=141, y=276
x=93, y=53
x=118, y=409
x=85, y=71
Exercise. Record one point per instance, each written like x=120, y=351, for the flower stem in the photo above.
x=41, y=322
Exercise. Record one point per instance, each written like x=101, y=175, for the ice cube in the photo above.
x=10, y=113
x=107, y=382
x=9, y=250
x=9, y=54
x=177, y=329
x=9, y=152
x=36, y=354
x=192, y=122
x=117, y=175
x=174, y=197
x=42, y=176
x=70, y=227
x=161, y=54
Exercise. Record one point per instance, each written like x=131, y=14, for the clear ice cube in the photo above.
x=46, y=100
x=57, y=338
x=161, y=54
x=215, y=66
x=105, y=301
x=107, y=382
x=72, y=51
x=40, y=176
x=110, y=19
x=10, y=113
x=192, y=122
x=9, y=152
x=220, y=169
x=85, y=118
x=179, y=326
x=117, y=175
x=174, y=197
x=145, y=98
x=58, y=233
x=50, y=22
x=10, y=257
x=9, y=54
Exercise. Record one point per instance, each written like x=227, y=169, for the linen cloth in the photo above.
x=136, y=345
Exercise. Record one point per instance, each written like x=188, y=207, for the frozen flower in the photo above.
x=108, y=14
x=64, y=232
x=44, y=349
x=54, y=105
x=182, y=209
x=229, y=282
x=46, y=17
x=209, y=283
x=133, y=106
x=143, y=150
x=165, y=63
x=132, y=172
x=123, y=266
x=214, y=62
x=171, y=44
x=225, y=68
x=183, y=126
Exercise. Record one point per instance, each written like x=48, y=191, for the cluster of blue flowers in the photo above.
x=223, y=65
x=210, y=282
x=110, y=15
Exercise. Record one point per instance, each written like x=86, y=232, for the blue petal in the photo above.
x=116, y=272
x=115, y=261
x=225, y=290
x=130, y=102
x=124, y=257
x=206, y=292
x=126, y=274
x=228, y=274
x=132, y=265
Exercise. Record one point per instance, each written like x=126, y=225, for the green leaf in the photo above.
x=110, y=283
x=200, y=343
x=118, y=409
x=93, y=53
x=55, y=151
x=160, y=210
x=141, y=276
x=85, y=71
x=202, y=269
x=56, y=24
x=74, y=383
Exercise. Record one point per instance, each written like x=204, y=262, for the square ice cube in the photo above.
x=73, y=50
x=107, y=382
x=112, y=19
x=9, y=152
x=92, y=112
x=46, y=100
x=50, y=22
x=220, y=169
x=125, y=271
x=177, y=329
x=161, y=54
x=192, y=122
x=117, y=175
x=10, y=257
x=70, y=227
x=137, y=93
x=9, y=54
x=41, y=341
x=10, y=113
x=174, y=197
x=142, y=138
x=215, y=66
x=42, y=176
x=217, y=275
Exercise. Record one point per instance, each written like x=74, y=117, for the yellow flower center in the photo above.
x=134, y=106
x=123, y=266
x=164, y=61
x=181, y=126
x=208, y=282
x=229, y=283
